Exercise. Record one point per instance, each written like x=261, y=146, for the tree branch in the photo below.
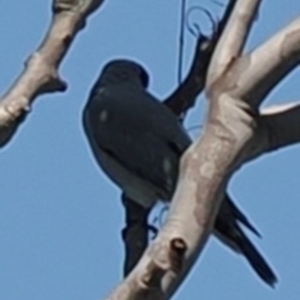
x=270, y=63
x=185, y=95
x=284, y=125
x=233, y=38
x=278, y=126
x=41, y=69
x=135, y=233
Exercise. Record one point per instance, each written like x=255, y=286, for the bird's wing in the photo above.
x=136, y=140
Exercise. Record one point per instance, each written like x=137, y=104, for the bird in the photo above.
x=138, y=142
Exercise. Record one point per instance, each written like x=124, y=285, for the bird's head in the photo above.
x=123, y=71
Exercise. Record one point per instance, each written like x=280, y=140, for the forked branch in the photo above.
x=41, y=69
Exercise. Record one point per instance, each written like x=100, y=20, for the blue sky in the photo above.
x=60, y=217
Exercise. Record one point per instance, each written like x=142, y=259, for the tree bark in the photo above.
x=40, y=74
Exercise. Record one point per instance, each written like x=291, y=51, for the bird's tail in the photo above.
x=233, y=236
x=255, y=259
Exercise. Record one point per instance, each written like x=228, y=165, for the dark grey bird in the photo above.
x=138, y=143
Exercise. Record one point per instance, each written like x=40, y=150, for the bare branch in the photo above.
x=284, y=126
x=41, y=69
x=279, y=126
x=185, y=95
x=269, y=63
x=135, y=232
x=233, y=38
